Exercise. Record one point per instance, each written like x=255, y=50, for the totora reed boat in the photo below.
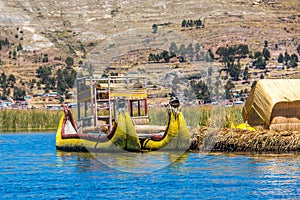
x=112, y=115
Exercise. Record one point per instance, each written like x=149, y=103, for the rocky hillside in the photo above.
x=102, y=33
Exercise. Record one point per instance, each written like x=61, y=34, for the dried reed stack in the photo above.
x=285, y=123
x=237, y=140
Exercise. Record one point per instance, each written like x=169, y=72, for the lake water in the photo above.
x=31, y=168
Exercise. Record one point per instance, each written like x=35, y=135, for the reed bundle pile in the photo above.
x=238, y=140
x=280, y=123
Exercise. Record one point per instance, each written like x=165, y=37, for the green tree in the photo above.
x=45, y=58
x=246, y=74
x=259, y=63
x=211, y=54
x=266, y=53
x=261, y=76
x=228, y=86
x=227, y=56
x=154, y=28
x=280, y=58
x=266, y=44
x=52, y=83
x=222, y=51
x=3, y=81
x=251, y=55
x=69, y=77
x=165, y=55
x=11, y=80
x=292, y=64
x=243, y=50
x=158, y=57
x=235, y=71
x=19, y=47
x=173, y=48
x=201, y=90
x=294, y=57
x=39, y=85
x=6, y=42
x=14, y=54
x=61, y=99
x=31, y=83
x=44, y=74
x=198, y=23
x=19, y=94
x=47, y=87
x=151, y=57
x=257, y=54
x=61, y=86
x=183, y=23
x=190, y=23
x=286, y=57
x=293, y=61
x=69, y=61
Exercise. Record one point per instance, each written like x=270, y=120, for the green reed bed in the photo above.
x=29, y=120
x=158, y=116
x=201, y=116
x=233, y=116
x=43, y=120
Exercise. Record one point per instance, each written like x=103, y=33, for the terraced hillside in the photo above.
x=107, y=33
x=226, y=21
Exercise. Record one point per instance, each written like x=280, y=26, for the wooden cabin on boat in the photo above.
x=99, y=100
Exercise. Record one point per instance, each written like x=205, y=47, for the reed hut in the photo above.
x=274, y=104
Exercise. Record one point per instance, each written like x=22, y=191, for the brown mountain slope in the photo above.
x=98, y=31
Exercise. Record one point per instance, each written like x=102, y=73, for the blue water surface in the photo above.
x=31, y=168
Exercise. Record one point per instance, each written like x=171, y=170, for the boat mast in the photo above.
x=110, y=106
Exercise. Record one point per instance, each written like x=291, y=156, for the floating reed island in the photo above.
x=238, y=140
x=273, y=104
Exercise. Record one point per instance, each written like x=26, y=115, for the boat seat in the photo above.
x=149, y=129
x=140, y=120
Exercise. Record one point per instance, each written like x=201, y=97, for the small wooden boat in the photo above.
x=123, y=129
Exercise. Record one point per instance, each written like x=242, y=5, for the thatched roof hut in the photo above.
x=274, y=104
